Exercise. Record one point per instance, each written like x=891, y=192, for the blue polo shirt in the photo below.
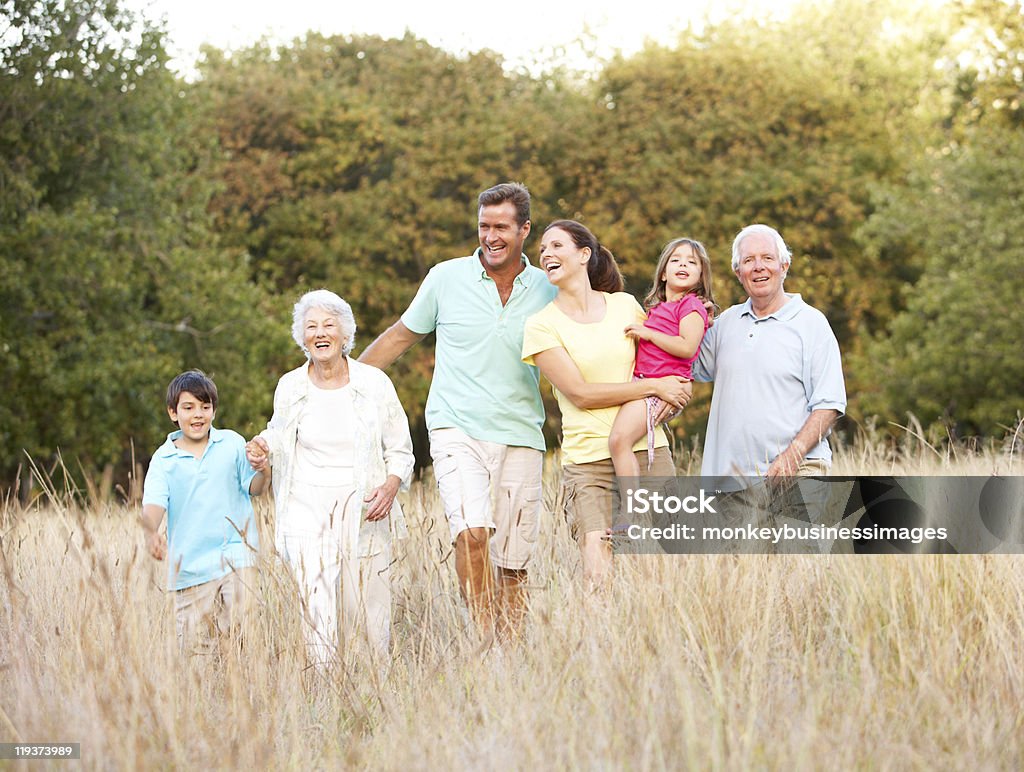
x=480, y=384
x=770, y=372
x=207, y=503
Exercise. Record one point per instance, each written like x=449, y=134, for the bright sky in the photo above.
x=523, y=31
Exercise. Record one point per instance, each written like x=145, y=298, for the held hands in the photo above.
x=380, y=499
x=257, y=452
x=637, y=331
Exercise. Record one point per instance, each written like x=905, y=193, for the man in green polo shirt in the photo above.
x=484, y=411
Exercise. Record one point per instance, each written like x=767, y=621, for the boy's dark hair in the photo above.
x=515, y=192
x=195, y=382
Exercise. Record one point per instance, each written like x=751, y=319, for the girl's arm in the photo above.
x=558, y=367
x=685, y=345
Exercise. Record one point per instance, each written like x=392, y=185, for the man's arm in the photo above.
x=817, y=425
x=390, y=345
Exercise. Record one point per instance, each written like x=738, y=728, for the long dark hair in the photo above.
x=601, y=268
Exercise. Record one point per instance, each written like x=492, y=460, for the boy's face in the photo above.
x=192, y=416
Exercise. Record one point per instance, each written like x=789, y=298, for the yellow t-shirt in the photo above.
x=603, y=354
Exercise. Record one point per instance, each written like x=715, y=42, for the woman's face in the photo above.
x=560, y=258
x=322, y=335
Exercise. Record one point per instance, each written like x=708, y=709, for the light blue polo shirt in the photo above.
x=770, y=373
x=203, y=497
x=480, y=384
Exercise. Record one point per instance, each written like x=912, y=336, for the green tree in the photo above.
x=354, y=163
x=950, y=355
x=737, y=124
x=953, y=355
x=111, y=280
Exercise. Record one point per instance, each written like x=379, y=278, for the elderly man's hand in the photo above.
x=257, y=452
x=710, y=308
x=786, y=464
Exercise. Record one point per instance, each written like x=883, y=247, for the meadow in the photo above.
x=711, y=662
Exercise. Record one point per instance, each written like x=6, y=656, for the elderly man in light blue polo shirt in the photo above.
x=484, y=410
x=777, y=371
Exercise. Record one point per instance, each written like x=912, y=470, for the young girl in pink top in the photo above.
x=667, y=342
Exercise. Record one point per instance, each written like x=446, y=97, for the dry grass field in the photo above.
x=718, y=662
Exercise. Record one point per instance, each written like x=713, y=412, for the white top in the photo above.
x=324, y=445
x=380, y=433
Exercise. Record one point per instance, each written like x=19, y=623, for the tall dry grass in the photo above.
x=723, y=662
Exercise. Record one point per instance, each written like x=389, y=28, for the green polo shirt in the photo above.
x=481, y=385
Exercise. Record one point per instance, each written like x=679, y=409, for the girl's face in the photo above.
x=682, y=272
x=560, y=258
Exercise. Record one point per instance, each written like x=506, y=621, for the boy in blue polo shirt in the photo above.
x=200, y=477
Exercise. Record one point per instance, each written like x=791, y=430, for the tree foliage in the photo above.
x=112, y=280
x=148, y=224
x=953, y=353
x=950, y=355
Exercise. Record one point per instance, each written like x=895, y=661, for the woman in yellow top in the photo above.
x=579, y=343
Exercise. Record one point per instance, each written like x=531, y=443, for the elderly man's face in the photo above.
x=760, y=270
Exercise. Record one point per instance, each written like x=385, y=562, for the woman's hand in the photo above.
x=381, y=498
x=673, y=390
x=257, y=452
x=637, y=331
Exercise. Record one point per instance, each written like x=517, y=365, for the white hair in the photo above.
x=785, y=256
x=332, y=304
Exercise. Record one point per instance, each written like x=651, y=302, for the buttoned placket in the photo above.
x=502, y=311
x=753, y=332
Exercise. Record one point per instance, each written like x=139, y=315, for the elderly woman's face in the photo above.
x=323, y=336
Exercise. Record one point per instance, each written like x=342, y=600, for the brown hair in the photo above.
x=601, y=268
x=514, y=192
x=702, y=290
x=197, y=383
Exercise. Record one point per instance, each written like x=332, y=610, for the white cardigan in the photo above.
x=383, y=446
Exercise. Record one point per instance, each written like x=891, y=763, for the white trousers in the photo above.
x=357, y=590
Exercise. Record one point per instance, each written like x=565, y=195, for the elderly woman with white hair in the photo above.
x=340, y=450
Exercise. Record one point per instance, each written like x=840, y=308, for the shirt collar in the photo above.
x=788, y=311
x=170, y=449
x=523, y=277
x=356, y=379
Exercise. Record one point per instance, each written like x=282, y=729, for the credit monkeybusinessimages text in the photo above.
x=641, y=501
x=780, y=533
